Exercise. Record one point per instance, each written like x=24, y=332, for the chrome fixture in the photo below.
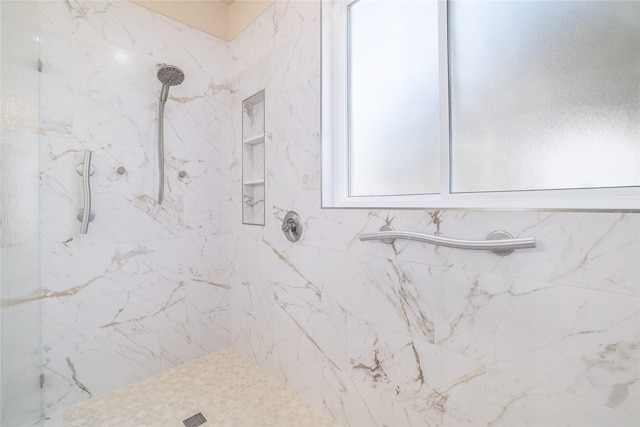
x=121, y=170
x=292, y=226
x=169, y=75
x=182, y=174
x=499, y=242
x=85, y=215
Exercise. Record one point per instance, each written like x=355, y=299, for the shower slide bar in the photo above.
x=499, y=242
x=85, y=170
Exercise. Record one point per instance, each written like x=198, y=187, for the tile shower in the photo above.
x=368, y=333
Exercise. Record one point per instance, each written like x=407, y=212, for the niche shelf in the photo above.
x=253, y=138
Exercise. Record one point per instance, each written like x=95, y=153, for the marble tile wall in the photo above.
x=411, y=334
x=370, y=334
x=148, y=287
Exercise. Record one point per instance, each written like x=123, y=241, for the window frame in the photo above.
x=335, y=155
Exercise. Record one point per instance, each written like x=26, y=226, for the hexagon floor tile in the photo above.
x=227, y=388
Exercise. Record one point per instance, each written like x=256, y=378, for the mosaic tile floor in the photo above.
x=225, y=387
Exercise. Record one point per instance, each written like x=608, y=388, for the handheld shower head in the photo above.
x=169, y=75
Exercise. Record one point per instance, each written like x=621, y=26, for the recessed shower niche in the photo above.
x=253, y=150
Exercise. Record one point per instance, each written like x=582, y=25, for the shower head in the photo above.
x=169, y=75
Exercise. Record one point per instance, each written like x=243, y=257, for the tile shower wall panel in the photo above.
x=148, y=287
x=410, y=334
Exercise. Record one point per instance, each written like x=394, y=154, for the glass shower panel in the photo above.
x=544, y=94
x=20, y=344
x=393, y=98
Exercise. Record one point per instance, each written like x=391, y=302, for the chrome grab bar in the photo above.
x=499, y=242
x=85, y=214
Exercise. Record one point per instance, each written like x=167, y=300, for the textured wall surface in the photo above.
x=147, y=288
x=411, y=334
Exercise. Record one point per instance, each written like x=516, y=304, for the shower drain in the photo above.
x=195, y=420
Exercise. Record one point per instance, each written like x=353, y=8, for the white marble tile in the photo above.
x=295, y=62
x=98, y=270
x=515, y=400
x=341, y=321
x=55, y=419
x=380, y=291
x=251, y=297
x=466, y=308
x=100, y=359
x=94, y=371
x=252, y=338
x=252, y=44
x=191, y=319
x=580, y=341
x=353, y=404
x=291, y=62
x=299, y=371
x=293, y=151
x=59, y=161
x=203, y=260
x=60, y=390
x=291, y=18
x=148, y=287
x=440, y=385
x=117, y=317
x=118, y=218
x=588, y=250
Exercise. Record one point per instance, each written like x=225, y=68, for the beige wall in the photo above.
x=244, y=12
x=222, y=19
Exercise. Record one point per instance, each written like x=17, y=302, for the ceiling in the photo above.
x=222, y=18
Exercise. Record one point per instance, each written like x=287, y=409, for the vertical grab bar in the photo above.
x=85, y=215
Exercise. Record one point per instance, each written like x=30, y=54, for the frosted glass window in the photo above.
x=544, y=94
x=393, y=97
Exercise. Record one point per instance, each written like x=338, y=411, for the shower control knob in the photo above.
x=121, y=170
x=292, y=226
x=182, y=174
